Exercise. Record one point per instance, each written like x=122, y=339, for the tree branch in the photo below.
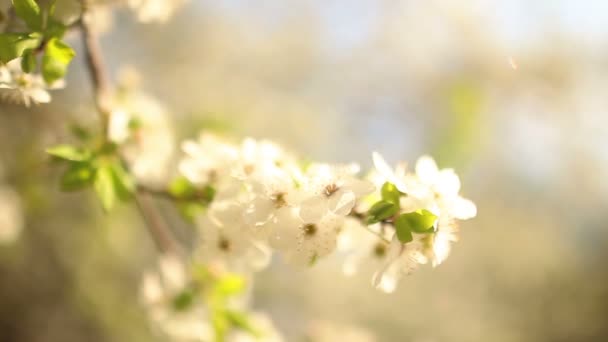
x=102, y=89
x=96, y=67
x=163, y=239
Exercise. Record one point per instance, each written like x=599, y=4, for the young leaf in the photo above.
x=29, y=11
x=54, y=29
x=381, y=211
x=181, y=188
x=77, y=177
x=124, y=185
x=13, y=45
x=230, y=285
x=241, y=321
x=70, y=153
x=28, y=61
x=57, y=57
x=104, y=186
x=420, y=221
x=183, y=300
x=403, y=229
x=390, y=193
x=190, y=210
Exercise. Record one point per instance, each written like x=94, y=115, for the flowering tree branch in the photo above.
x=248, y=199
x=102, y=88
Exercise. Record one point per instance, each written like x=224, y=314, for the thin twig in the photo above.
x=161, y=234
x=197, y=196
x=97, y=70
x=163, y=239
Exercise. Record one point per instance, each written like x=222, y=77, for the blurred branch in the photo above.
x=96, y=67
x=160, y=233
x=156, y=225
x=160, y=193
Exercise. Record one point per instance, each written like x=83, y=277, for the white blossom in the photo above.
x=158, y=291
x=402, y=259
x=362, y=245
x=436, y=191
x=334, y=190
x=227, y=240
x=301, y=241
x=207, y=158
x=19, y=87
x=140, y=125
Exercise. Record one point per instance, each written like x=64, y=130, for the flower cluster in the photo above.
x=264, y=201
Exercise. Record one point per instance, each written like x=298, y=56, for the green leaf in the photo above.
x=124, y=185
x=13, y=45
x=420, y=221
x=390, y=193
x=403, y=229
x=190, y=210
x=29, y=11
x=183, y=300
x=182, y=188
x=381, y=211
x=54, y=29
x=230, y=285
x=28, y=61
x=57, y=58
x=77, y=177
x=79, y=132
x=241, y=321
x=105, y=186
x=220, y=325
x=69, y=152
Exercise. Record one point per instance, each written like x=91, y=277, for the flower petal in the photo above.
x=313, y=208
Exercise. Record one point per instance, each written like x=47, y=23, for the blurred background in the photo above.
x=512, y=94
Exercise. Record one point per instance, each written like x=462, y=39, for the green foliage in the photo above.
x=183, y=300
x=229, y=285
x=56, y=60
x=403, y=229
x=78, y=176
x=13, y=45
x=29, y=62
x=112, y=183
x=381, y=211
x=181, y=187
x=191, y=200
x=100, y=168
x=54, y=29
x=420, y=221
x=30, y=12
x=104, y=187
x=241, y=320
x=390, y=193
x=69, y=152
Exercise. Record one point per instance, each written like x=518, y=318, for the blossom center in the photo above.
x=309, y=229
x=279, y=200
x=224, y=244
x=380, y=250
x=330, y=189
